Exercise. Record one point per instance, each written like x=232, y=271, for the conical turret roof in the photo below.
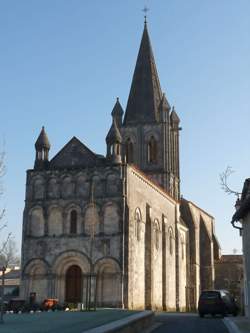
x=117, y=109
x=174, y=117
x=114, y=134
x=145, y=93
x=164, y=103
x=42, y=141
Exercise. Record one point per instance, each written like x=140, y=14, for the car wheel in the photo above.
x=235, y=314
x=201, y=315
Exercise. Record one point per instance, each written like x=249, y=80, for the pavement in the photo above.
x=237, y=324
x=191, y=323
x=78, y=322
x=60, y=322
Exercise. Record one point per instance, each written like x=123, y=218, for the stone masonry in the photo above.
x=117, y=224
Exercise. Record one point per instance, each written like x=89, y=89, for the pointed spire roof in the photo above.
x=114, y=134
x=117, y=109
x=164, y=105
x=174, y=117
x=145, y=93
x=42, y=141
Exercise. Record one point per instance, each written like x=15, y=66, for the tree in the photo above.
x=9, y=256
x=224, y=176
x=4, y=246
x=2, y=172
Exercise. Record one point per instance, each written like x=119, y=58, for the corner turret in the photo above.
x=42, y=146
x=175, y=120
x=114, y=140
x=117, y=113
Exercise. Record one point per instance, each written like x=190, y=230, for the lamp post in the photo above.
x=3, y=269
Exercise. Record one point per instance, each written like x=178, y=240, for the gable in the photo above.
x=73, y=155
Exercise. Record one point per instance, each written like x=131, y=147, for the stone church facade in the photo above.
x=118, y=223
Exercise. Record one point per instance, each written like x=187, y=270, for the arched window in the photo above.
x=171, y=241
x=157, y=234
x=73, y=222
x=118, y=149
x=129, y=151
x=138, y=224
x=152, y=150
x=182, y=248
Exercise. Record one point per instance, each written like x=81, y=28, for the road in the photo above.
x=188, y=323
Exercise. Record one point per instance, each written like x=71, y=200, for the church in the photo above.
x=114, y=229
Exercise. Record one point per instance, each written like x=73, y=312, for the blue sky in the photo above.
x=63, y=63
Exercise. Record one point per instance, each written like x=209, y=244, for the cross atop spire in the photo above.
x=145, y=10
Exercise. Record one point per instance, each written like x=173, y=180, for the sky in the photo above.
x=63, y=63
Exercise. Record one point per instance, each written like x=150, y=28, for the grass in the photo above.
x=60, y=322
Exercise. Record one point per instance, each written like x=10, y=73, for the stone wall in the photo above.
x=182, y=232
x=151, y=244
x=229, y=275
x=201, y=258
x=51, y=245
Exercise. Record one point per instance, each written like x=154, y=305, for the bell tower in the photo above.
x=150, y=129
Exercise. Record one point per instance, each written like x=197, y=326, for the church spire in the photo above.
x=145, y=93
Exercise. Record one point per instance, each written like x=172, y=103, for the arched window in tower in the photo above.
x=129, y=151
x=171, y=241
x=152, y=150
x=138, y=221
x=157, y=234
x=73, y=222
x=182, y=248
x=118, y=149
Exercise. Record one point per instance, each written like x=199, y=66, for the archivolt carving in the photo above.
x=69, y=258
x=36, y=266
x=107, y=265
x=37, y=271
x=108, y=282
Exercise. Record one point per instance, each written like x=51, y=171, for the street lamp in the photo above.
x=3, y=269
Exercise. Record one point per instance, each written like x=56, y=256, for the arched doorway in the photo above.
x=73, y=284
x=108, y=284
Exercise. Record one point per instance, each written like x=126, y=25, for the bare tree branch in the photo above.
x=224, y=182
x=3, y=225
x=4, y=244
x=9, y=255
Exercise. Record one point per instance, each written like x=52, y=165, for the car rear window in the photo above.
x=210, y=295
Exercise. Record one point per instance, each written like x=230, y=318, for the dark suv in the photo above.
x=217, y=302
